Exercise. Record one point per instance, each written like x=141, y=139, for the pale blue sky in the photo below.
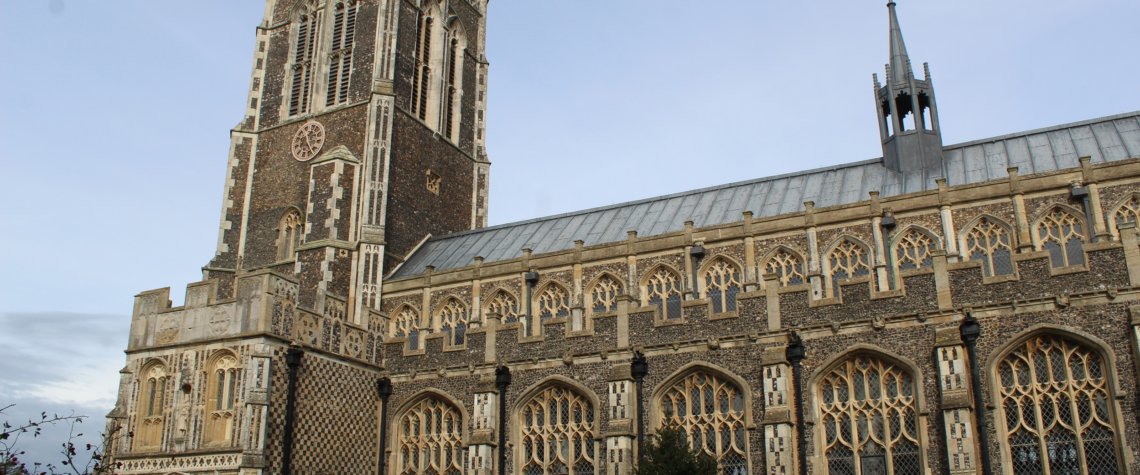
x=114, y=119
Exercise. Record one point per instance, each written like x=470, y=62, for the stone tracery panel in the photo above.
x=1055, y=403
x=429, y=439
x=722, y=283
x=710, y=410
x=788, y=268
x=989, y=242
x=663, y=290
x=1061, y=233
x=868, y=418
x=556, y=434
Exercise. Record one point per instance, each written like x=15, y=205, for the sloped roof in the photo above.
x=1106, y=139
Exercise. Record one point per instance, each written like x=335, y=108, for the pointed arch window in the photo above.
x=848, y=259
x=1061, y=233
x=1055, y=404
x=663, y=290
x=557, y=434
x=426, y=26
x=722, y=283
x=289, y=232
x=914, y=249
x=603, y=296
x=553, y=302
x=306, y=42
x=429, y=439
x=788, y=268
x=406, y=325
x=868, y=418
x=989, y=242
x=340, y=51
x=151, y=407
x=453, y=87
x=710, y=411
x=453, y=321
x=222, y=388
x=505, y=305
x=1128, y=212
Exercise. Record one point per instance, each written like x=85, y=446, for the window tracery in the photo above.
x=868, y=418
x=453, y=321
x=989, y=242
x=222, y=393
x=603, y=296
x=340, y=54
x=1055, y=403
x=556, y=434
x=305, y=44
x=151, y=407
x=722, y=283
x=847, y=260
x=553, y=302
x=663, y=290
x=1061, y=233
x=429, y=439
x=289, y=234
x=1128, y=212
x=710, y=411
x=788, y=268
x=913, y=250
x=505, y=305
x=406, y=324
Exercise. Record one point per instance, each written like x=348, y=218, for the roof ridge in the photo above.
x=753, y=181
x=1039, y=130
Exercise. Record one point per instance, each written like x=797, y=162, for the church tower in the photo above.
x=364, y=134
x=908, y=113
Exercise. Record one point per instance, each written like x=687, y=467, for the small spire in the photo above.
x=900, y=61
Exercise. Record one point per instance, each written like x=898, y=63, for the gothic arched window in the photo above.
x=710, y=411
x=150, y=409
x=913, y=249
x=406, y=324
x=989, y=242
x=604, y=293
x=1127, y=212
x=722, y=283
x=663, y=290
x=553, y=302
x=289, y=232
x=1061, y=233
x=848, y=259
x=1055, y=404
x=222, y=388
x=788, y=268
x=868, y=418
x=340, y=51
x=453, y=87
x=306, y=42
x=504, y=304
x=429, y=439
x=557, y=434
x=453, y=321
x=427, y=27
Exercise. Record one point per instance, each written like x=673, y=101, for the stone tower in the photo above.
x=363, y=135
x=908, y=113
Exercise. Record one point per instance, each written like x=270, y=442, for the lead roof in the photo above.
x=1104, y=140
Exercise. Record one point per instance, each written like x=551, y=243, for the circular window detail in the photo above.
x=308, y=140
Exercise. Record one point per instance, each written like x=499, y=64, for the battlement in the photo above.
x=265, y=304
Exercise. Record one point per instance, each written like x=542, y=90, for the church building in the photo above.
x=946, y=309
